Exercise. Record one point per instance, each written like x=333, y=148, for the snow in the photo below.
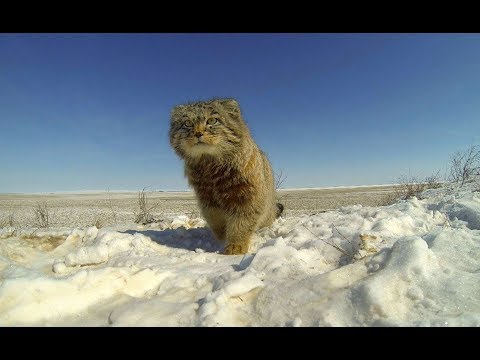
x=339, y=187
x=413, y=263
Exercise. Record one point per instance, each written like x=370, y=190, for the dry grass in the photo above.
x=42, y=216
x=388, y=199
x=345, y=252
x=359, y=249
x=280, y=178
x=433, y=181
x=109, y=217
x=113, y=213
x=144, y=213
x=99, y=221
x=409, y=187
x=8, y=221
x=465, y=165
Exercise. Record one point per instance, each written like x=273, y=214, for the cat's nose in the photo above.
x=198, y=134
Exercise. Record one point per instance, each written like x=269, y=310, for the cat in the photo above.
x=232, y=178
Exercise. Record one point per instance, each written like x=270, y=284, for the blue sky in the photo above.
x=91, y=111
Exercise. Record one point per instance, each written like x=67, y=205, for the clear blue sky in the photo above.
x=91, y=111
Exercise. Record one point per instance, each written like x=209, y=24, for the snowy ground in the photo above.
x=414, y=263
x=101, y=208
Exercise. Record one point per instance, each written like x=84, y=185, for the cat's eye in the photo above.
x=212, y=121
x=188, y=123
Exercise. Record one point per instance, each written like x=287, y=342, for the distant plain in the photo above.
x=107, y=208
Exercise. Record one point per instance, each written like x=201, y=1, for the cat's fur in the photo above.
x=231, y=176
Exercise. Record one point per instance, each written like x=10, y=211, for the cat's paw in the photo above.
x=235, y=249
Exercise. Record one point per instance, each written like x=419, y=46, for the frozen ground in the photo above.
x=110, y=208
x=414, y=263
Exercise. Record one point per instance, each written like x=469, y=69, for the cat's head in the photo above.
x=213, y=127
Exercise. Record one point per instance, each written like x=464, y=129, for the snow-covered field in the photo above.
x=101, y=208
x=414, y=263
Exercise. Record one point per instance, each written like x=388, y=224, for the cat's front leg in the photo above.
x=215, y=218
x=239, y=232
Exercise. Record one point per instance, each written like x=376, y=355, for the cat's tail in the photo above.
x=280, y=208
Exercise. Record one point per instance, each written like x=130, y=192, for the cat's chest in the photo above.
x=222, y=186
x=212, y=177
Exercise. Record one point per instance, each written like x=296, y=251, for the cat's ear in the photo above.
x=231, y=106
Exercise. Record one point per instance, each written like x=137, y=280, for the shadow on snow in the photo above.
x=181, y=238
